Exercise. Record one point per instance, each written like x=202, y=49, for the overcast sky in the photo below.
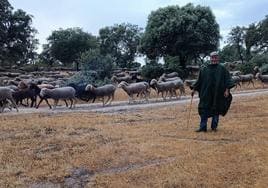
x=91, y=15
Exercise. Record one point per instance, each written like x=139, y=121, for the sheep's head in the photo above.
x=123, y=83
x=44, y=92
x=89, y=87
x=258, y=76
x=153, y=82
x=113, y=79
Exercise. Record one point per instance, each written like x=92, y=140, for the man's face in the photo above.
x=214, y=59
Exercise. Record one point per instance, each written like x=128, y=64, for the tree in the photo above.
x=236, y=38
x=251, y=39
x=229, y=53
x=263, y=29
x=93, y=60
x=66, y=45
x=17, y=36
x=121, y=42
x=185, y=32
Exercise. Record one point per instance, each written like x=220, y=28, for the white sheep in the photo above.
x=117, y=80
x=170, y=75
x=102, y=92
x=162, y=87
x=63, y=93
x=262, y=78
x=247, y=78
x=6, y=94
x=140, y=88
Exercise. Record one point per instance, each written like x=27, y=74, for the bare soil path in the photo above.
x=122, y=106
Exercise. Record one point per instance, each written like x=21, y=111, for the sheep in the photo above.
x=235, y=73
x=247, y=78
x=64, y=93
x=5, y=104
x=117, y=80
x=31, y=92
x=262, y=78
x=162, y=87
x=189, y=83
x=178, y=84
x=103, y=91
x=81, y=93
x=7, y=94
x=170, y=75
x=164, y=79
x=22, y=85
x=236, y=80
x=140, y=88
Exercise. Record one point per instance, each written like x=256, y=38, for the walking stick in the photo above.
x=190, y=110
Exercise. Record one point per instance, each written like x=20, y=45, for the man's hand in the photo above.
x=226, y=93
x=192, y=93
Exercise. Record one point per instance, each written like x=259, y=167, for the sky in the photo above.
x=91, y=15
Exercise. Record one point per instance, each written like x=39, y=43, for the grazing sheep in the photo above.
x=117, y=80
x=102, y=92
x=162, y=87
x=247, y=78
x=7, y=94
x=63, y=93
x=236, y=80
x=262, y=78
x=140, y=88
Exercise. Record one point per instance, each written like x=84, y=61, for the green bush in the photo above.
x=93, y=61
x=259, y=59
x=152, y=70
x=246, y=68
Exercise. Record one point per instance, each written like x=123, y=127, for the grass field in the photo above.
x=144, y=148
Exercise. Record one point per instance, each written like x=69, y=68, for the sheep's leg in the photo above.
x=71, y=100
x=32, y=102
x=41, y=99
x=112, y=98
x=162, y=93
x=65, y=102
x=48, y=103
x=55, y=103
x=14, y=104
x=252, y=83
x=108, y=99
x=74, y=103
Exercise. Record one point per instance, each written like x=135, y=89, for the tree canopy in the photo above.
x=121, y=42
x=66, y=45
x=17, y=36
x=185, y=32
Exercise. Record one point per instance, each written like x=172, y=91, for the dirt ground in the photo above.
x=150, y=147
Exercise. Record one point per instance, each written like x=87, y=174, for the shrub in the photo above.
x=152, y=70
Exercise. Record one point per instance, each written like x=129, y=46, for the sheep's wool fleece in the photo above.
x=211, y=85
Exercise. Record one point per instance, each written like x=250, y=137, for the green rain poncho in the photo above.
x=211, y=84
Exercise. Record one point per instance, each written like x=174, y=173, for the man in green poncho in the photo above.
x=213, y=85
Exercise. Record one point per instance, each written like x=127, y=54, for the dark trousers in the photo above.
x=204, y=120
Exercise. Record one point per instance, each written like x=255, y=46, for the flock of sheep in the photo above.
x=21, y=92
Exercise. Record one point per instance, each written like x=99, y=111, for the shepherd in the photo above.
x=213, y=85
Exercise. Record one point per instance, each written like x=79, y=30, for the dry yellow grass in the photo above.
x=145, y=148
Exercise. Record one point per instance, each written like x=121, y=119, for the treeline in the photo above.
x=179, y=36
x=249, y=45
